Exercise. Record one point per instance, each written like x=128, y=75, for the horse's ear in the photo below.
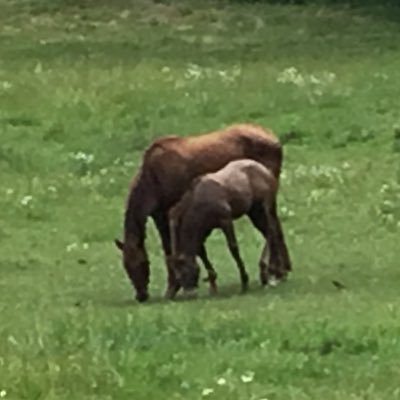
x=119, y=244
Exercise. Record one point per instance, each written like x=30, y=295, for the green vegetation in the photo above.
x=84, y=89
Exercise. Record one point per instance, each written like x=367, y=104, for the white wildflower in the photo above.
x=330, y=76
x=388, y=203
x=71, y=247
x=384, y=188
x=193, y=72
x=85, y=246
x=221, y=381
x=185, y=385
x=237, y=71
x=318, y=92
x=208, y=39
x=26, y=200
x=207, y=392
x=81, y=156
x=314, y=80
x=12, y=340
x=129, y=164
x=291, y=75
x=125, y=14
x=345, y=165
x=298, y=80
x=6, y=85
x=38, y=68
x=3, y=393
x=247, y=377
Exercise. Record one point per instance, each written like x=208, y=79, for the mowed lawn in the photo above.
x=84, y=89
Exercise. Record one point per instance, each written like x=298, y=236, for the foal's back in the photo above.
x=244, y=175
x=242, y=183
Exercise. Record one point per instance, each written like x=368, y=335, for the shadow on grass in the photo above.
x=225, y=292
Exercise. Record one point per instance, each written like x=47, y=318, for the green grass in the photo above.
x=83, y=90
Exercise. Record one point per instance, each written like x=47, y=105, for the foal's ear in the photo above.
x=119, y=244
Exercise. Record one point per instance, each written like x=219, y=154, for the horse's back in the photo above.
x=173, y=161
x=237, y=134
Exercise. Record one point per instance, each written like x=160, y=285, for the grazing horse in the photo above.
x=169, y=166
x=214, y=201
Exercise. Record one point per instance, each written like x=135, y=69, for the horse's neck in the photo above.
x=135, y=225
x=139, y=206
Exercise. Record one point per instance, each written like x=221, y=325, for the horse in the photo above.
x=214, y=200
x=168, y=167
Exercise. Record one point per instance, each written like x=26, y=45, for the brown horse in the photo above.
x=168, y=168
x=214, y=201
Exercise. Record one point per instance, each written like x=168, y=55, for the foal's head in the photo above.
x=136, y=265
x=187, y=272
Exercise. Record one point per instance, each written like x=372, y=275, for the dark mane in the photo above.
x=139, y=196
x=134, y=225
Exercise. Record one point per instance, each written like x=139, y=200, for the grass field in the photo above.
x=84, y=89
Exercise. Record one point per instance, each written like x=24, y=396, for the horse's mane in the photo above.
x=143, y=182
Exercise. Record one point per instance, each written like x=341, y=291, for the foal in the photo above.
x=214, y=201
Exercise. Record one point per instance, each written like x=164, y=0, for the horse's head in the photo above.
x=136, y=265
x=187, y=272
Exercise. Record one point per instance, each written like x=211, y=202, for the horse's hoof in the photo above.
x=263, y=280
x=142, y=297
x=170, y=293
x=273, y=282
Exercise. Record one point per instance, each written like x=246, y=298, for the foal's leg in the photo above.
x=276, y=227
x=228, y=229
x=212, y=275
x=161, y=221
x=259, y=217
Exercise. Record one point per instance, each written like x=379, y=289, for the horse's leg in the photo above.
x=161, y=221
x=229, y=231
x=269, y=260
x=212, y=275
x=280, y=239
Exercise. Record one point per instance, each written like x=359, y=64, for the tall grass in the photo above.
x=84, y=88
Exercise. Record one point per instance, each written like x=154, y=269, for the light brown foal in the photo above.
x=214, y=201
